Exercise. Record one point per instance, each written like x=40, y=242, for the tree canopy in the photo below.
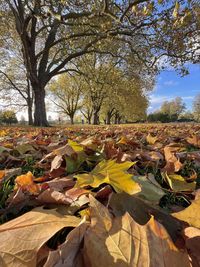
x=53, y=34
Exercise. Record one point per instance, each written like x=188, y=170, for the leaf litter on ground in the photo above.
x=97, y=195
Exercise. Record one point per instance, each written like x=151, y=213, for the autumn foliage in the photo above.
x=100, y=196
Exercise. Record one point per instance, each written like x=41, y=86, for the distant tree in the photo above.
x=22, y=119
x=111, y=92
x=177, y=107
x=173, y=108
x=8, y=117
x=196, y=108
x=165, y=107
x=87, y=109
x=158, y=117
x=186, y=117
x=66, y=92
x=16, y=90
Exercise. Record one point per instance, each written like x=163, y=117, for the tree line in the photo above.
x=175, y=110
x=43, y=39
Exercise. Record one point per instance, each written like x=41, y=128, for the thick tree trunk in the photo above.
x=40, y=117
x=96, y=118
x=72, y=119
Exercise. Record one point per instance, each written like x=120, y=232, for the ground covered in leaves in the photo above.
x=90, y=196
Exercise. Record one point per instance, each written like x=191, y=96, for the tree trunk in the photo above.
x=89, y=120
x=72, y=119
x=109, y=116
x=40, y=116
x=30, y=114
x=29, y=101
x=96, y=118
x=117, y=118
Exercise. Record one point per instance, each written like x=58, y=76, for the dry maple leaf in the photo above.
x=21, y=238
x=191, y=214
x=121, y=242
x=69, y=253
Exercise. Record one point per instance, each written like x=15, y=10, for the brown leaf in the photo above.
x=56, y=163
x=60, y=183
x=123, y=242
x=64, y=150
x=193, y=244
x=142, y=211
x=194, y=140
x=173, y=163
x=21, y=238
x=51, y=196
x=67, y=255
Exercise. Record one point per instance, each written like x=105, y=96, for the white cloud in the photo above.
x=170, y=83
x=156, y=99
x=187, y=97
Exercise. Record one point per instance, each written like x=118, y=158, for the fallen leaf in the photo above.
x=194, y=140
x=75, y=146
x=112, y=173
x=151, y=139
x=191, y=214
x=22, y=237
x=142, y=211
x=56, y=162
x=121, y=242
x=51, y=196
x=60, y=183
x=67, y=255
x=9, y=173
x=26, y=182
x=173, y=163
x=2, y=174
x=177, y=183
x=192, y=236
x=24, y=148
x=150, y=188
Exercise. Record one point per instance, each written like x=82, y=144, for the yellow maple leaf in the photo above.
x=112, y=173
x=75, y=146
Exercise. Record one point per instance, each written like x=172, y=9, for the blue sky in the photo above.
x=170, y=84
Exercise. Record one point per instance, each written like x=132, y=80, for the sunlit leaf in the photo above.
x=190, y=215
x=120, y=241
x=21, y=238
x=111, y=173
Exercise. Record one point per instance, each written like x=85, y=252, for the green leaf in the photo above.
x=150, y=189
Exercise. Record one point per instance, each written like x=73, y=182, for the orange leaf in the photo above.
x=26, y=182
x=2, y=174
